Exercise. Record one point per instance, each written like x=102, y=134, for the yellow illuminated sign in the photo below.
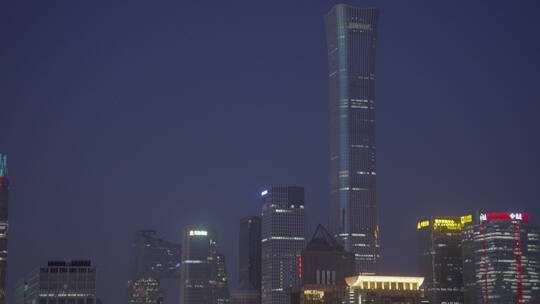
x=466, y=219
x=423, y=224
x=314, y=294
x=446, y=223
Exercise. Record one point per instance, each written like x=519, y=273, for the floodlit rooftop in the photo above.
x=385, y=282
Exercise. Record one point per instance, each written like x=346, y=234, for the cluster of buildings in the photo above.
x=472, y=259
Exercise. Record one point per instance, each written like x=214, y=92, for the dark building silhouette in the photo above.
x=500, y=259
x=283, y=238
x=250, y=251
x=351, y=35
x=203, y=272
x=440, y=258
x=155, y=270
x=324, y=267
x=324, y=260
x=4, y=189
x=59, y=282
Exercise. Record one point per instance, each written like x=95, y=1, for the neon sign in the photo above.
x=504, y=216
x=198, y=232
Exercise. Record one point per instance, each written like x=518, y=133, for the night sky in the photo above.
x=125, y=115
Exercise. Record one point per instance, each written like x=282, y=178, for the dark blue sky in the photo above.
x=124, y=115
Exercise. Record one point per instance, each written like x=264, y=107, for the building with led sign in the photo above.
x=385, y=289
x=59, y=282
x=440, y=258
x=351, y=36
x=203, y=272
x=4, y=189
x=283, y=238
x=500, y=259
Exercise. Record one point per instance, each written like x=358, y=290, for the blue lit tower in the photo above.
x=4, y=189
x=283, y=239
x=351, y=34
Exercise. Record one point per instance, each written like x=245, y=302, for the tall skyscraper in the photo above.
x=4, y=189
x=500, y=259
x=351, y=35
x=203, y=273
x=154, y=263
x=283, y=238
x=440, y=258
x=59, y=282
x=250, y=251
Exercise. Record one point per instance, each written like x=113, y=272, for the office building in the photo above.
x=500, y=259
x=250, y=251
x=59, y=283
x=385, y=290
x=220, y=285
x=146, y=290
x=440, y=259
x=4, y=189
x=203, y=272
x=246, y=294
x=323, y=269
x=324, y=260
x=283, y=238
x=351, y=35
x=155, y=264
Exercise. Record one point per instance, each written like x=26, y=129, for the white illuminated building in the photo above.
x=283, y=238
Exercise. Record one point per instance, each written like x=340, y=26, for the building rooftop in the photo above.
x=385, y=282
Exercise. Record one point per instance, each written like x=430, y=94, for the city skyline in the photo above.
x=108, y=135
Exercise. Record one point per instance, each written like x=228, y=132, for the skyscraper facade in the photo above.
x=440, y=258
x=351, y=35
x=220, y=286
x=4, y=189
x=250, y=251
x=154, y=263
x=203, y=272
x=59, y=282
x=283, y=239
x=500, y=259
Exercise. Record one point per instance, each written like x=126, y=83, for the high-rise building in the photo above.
x=351, y=35
x=221, y=284
x=154, y=263
x=500, y=259
x=440, y=258
x=59, y=282
x=246, y=294
x=250, y=251
x=203, y=272
x=283, y=238
x=4, y=189
x=324, y=267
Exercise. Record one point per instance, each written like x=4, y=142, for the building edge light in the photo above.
x=198, y=233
